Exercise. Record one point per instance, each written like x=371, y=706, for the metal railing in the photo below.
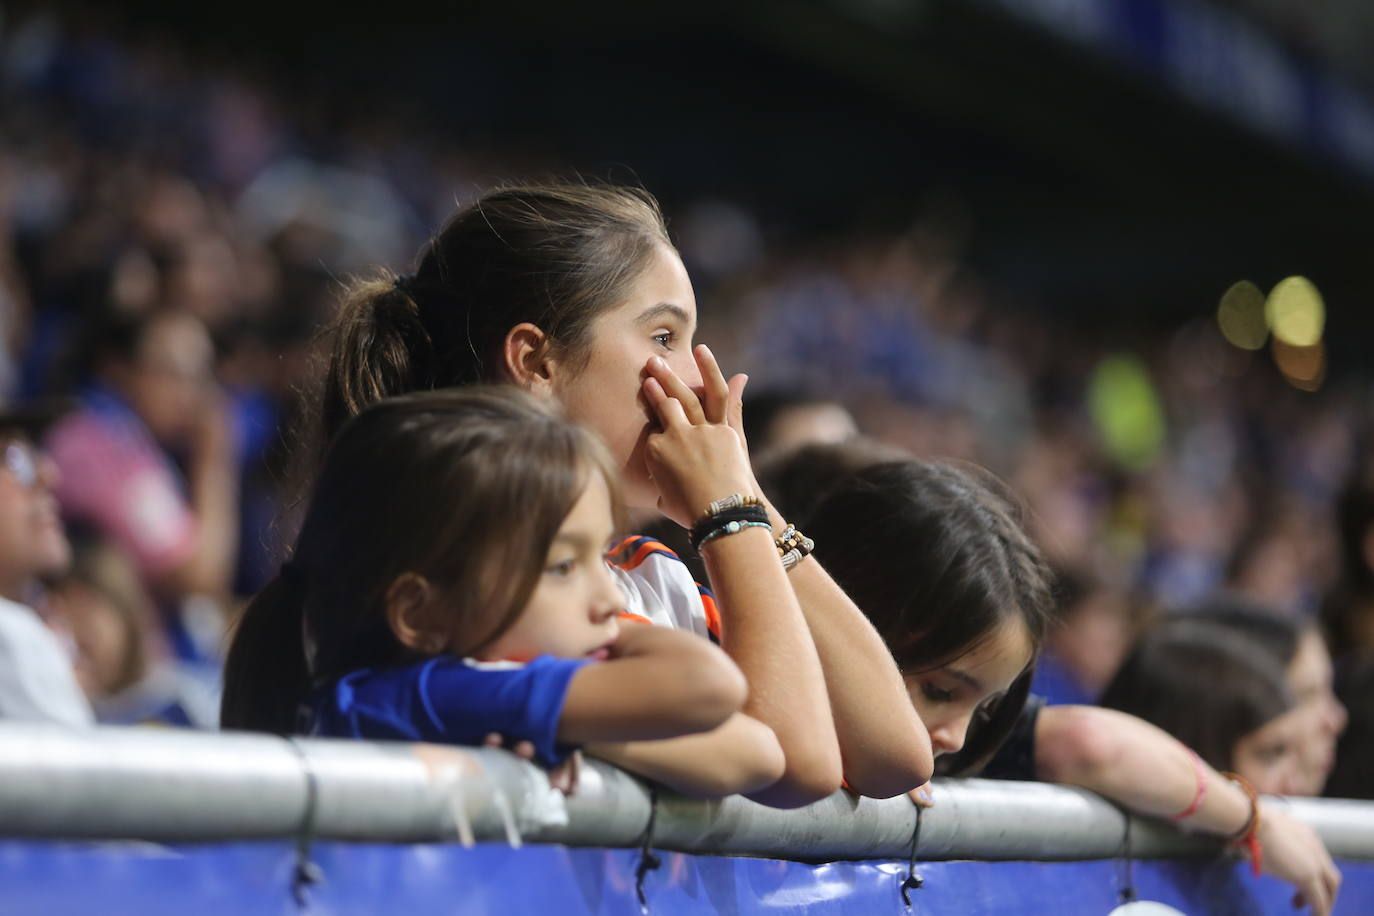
x=163, y=785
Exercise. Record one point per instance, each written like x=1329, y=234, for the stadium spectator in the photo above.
x=574, y=292
x=1219, y=693
x=151, y=398
x=450, y=582
x=944, y=569
x=1296, y=646
x=1086, y=644
x=37, y=682
x=123, y=661
x=1353, y=775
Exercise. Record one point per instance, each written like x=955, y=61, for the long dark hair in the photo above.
x=1277, y=634
x=1202, y=683
x=554, y=255
x=936, y=557
x=447, y=485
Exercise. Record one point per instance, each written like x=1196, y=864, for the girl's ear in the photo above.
x=408, y=614
x=527, y=358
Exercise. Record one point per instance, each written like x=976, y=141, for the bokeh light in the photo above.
x=1302, y=367
x=1240, y=315
x=1126, y=410
x=1295, y=312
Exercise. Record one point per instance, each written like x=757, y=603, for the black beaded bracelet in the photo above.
x=740, y=515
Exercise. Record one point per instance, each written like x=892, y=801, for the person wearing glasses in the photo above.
x=37, y=681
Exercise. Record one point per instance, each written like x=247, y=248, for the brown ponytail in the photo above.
x=380, y=349
x=554, y=255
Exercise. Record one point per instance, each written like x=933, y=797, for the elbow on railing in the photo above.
x=755, y=771
x=811, y=774
x=890, y=774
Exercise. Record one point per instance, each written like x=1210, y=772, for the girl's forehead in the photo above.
x=1311, y=664
x=663, y=289
x=1285, y=727
x=995, y=661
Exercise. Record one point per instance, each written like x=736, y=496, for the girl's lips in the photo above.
x=601, y=654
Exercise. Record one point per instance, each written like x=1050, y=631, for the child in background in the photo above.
x=1217, y=692
x=123, y=662
x=450, y=582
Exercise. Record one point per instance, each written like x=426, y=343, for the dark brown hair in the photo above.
x=936, y=557
x=465, y=488
x=554, y=255
x=1205, y=684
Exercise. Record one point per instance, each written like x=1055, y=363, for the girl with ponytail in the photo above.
x=449, y=582
x=575, y=294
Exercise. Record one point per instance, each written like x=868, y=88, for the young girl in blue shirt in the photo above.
x=450, y=582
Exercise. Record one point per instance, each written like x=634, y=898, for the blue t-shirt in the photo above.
x=452, y=701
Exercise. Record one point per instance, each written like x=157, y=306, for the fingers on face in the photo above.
x=735, y=410
x=713, y=383
x=669, y=408
x=673, y=384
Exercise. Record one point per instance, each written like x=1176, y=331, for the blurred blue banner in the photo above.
x=61, y=878
x=1223, y=63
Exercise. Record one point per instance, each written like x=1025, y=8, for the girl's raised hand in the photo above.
x=693, y=462
x=721, y=401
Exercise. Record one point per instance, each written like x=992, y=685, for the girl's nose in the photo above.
x=608, y=600
x=948, y=737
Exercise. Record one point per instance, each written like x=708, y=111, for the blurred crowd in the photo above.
x=172, y=239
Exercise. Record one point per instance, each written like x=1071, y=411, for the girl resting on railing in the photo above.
x=575, y=294
x=938, y=559
x=449, y=582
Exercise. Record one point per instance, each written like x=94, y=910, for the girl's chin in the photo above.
x=640, y=492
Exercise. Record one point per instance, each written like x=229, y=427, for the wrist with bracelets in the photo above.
x=731, y=515
x=736, y=513
x=1247, y=837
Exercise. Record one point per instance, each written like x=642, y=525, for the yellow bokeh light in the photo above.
x=1303, y=367
x=1295, y=312
x=1240, y=316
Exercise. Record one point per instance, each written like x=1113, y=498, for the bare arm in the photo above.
x=695, y=461
x=1145, y=770
x=764, y=631
x=743, y=755
x=884, y=744
x=658, y=683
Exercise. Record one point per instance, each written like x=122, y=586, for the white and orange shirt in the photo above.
x=659, y=588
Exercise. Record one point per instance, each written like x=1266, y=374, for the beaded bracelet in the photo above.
x=1248, y=836
x=730, y=528
x=793, y=547
x=733, y=501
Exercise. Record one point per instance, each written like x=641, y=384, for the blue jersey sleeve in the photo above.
x=453, y=701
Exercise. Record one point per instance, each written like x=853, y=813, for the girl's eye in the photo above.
x=1272, y=753
x=663, y=339
x=564, y=568
x=935, y=694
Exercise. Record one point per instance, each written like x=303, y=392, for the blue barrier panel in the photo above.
x=59, y=878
